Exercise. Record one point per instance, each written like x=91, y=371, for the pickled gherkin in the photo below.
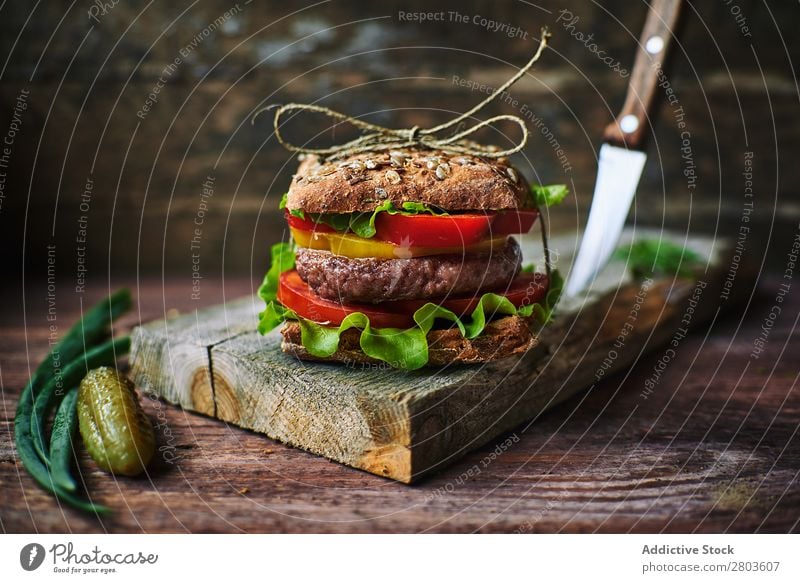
x=117, y=433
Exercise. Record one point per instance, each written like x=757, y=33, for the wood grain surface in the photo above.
x=713, y=448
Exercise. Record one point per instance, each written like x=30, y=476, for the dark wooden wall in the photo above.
x=88, y=78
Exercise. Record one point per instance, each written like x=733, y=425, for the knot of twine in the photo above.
x=379, y=138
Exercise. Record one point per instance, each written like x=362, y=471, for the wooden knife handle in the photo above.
x=630, y=126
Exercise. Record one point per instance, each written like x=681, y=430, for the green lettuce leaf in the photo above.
x=282, y=259
x=543, y=311
x=406, y=349
x=363, y=224
x=416, y=208
x=492, y=304
x=294, y=212
x=339, y=222
x=273, y=316
x=551, y=195
x=649, y=257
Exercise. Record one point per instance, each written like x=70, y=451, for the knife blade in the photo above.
x=622, y=159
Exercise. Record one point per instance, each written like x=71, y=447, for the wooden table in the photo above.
x=714, y=448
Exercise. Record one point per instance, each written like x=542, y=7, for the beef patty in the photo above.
x=373, y=280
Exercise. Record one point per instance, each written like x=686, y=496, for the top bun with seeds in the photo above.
x=363, y=181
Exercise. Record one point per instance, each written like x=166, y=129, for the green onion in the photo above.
x=33, y=463
x=61, y=452
x=87, y=333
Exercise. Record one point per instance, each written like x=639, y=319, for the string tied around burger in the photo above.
x=379, y=138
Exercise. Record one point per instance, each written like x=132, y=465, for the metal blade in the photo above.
x=618, y=175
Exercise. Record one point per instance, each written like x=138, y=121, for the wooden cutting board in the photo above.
x=404, y=425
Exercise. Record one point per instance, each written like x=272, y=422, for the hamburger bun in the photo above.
x=361, y=182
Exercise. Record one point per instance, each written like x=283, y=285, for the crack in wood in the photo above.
x=211, y=380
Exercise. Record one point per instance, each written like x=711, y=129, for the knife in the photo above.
x=622, y=156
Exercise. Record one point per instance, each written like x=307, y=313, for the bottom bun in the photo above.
x=500, y=339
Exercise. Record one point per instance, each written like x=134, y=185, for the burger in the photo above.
x=408, y=258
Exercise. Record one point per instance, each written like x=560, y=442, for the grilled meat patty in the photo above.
x=372, y=280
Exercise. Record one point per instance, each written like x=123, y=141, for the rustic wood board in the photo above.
x=404, y=425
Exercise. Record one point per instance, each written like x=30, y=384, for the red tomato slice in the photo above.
x=452, y=230
x=526, y=288
x=307, y=225
x=295, y=294
x=432, y=231
x=512, y=222
x=437, y=231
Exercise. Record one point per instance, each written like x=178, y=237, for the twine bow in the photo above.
x=380, y=138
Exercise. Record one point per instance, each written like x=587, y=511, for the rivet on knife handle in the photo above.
x=629, y=129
